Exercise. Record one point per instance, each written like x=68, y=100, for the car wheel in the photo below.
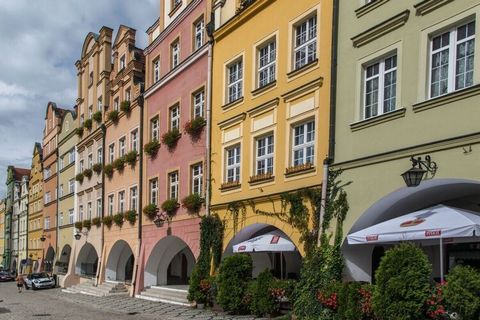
x=34, y=287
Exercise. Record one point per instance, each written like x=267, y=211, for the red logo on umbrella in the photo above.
x=411, y=223
x=274, y=239
x=242, y=248
x=373, y=237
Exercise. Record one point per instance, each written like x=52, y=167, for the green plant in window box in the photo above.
x=150, y=210
x=193, y=203
x=96, y=221
x=119, y=164
x=79, y=225
x=87, y=173
x=97, y=168
x=130, y=216
x=131, y=157
x=125, y=106
x=151, y=148
x=88, y=124
x=97, y=116
x=79, y=131
x=108, y=220
x=87, y=224
x=79, y=177
x=170, y=138
x=113, y=116
x=118, y=219
x=170, y=206
x=108, y=170
x=195, y=127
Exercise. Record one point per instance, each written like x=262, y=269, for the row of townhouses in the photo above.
x=232, y=104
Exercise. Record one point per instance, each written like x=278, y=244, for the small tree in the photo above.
x=462, y=292
x=403, y=283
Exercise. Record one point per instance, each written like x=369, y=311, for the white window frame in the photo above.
x=122, y=146
x=154, y=191
x=156, y=70
x=199, y=32
x=99, y=104
x=196, y=172
x=311, y=25
x=134, y=140
x=71, y=186
x=89, y=210
x=46, y=225
x=267, y=60
x=90, y=161
x=155, y=129
x=100, y=155
x=233, y=152
x=173, y=185
x=263, y=144
x=175, y=117
x=235, y=81
x=71, y=216
x=198, y=103
x=99, y=207
x=111, y=153
x=111, y=200
x=134, y=198
x=305, y=144
x=122, y=62
x=121, y=201
x=127, y=94
x=175, y=51
x=80, y=213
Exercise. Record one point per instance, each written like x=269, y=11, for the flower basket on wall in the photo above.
x=113, y=116
x=150, y=210
x=195, y=127
x=108, y=170
x=119, y=164
x=130, y=216
x=87, y=173
x=170, y=138
x=97, y=168
x=87, y=224
x=107, y=220
x=79, y=131
x=170, y=206
x=79, y=225
x=118, y=219
x=96, y=221
x=151, y=148
x=97, y=116
x=131, y=158
x=193, y=203
x=88, y=124
x=125, y=107
x=79, y=177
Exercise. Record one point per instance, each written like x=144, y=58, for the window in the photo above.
x=305, y=42
x=173, y=185
x=110, y=205
x=134, y=198
x=176, y=3
x=90, y=161
x=127, y=94
x=99, y=155
x=71, y=186
x=233, y=164
x=47, y=223
x=90, y=78
x=100, y=104
x=82, y=120
x=451, y=60
x=80, y=166
x=121, y=147
x=121, y=201
x=156, y=70
x=111, y=153
x=154, y=129
x=175, y=53
x=122, y=62
x=197, y=178
x=304, y=143
x=99, y=207
x=380, y=87
x=46, y=173
x=175, y=117
x=89, y=211
x=235, y=81
x=71, y=156
x=71, y=216
x=199, y=29
x=115, y=104
x=48, y=197
x=134, y=140
x=90, y=112
x=264, y=161
x=198, y=103
x=266, y=64
x=60, y=190
x=80, y=213
x=154, y=191
x=60, y=163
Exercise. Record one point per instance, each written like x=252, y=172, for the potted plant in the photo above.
x=170, y=138
x=193, y=203
x=125, y=106
x=195, y=127
x=131, y=157
x=150, y=210
x=97, y=168
x=107, y=220
x=87, y=224
x=130, y=216
x=79, y=225
x=97, y=116
x=79, y=177
x=79, y=131
x=170, y=206
x=119, y=164
x=113, y=116
x=88, y=124
x=96, y=221
x=118, y=219
x=108, y=170
x=151, y=148
x=87, y=173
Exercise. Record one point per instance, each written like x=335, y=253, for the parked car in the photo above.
x=39, y=280
x=5, y=276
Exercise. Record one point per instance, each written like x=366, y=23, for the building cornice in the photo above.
x=424, y=7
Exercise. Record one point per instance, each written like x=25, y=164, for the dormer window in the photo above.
x=122, y=62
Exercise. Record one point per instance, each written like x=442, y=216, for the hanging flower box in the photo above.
x=170, y=138
x=97, y=116
x=125, y=106
x=97, y=168
x=108, y=170
x=193, y=203
x=195, y=127
x=119, y=164
x=88, y=124
x=79, y=177
x=170, y=206
x=113, y=116
x=130, y=216
x=151, y=148
x=96, y=222
x=299, y=168
x=118, y=219
x=79, y=131
x=131, y=158
x=79, y=225
x=261, y=177
x=108, y=220
x=87, y=224
x=87, y=173
x=230, y=185
x=150, y=210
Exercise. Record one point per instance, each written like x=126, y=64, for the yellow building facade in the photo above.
x=2, y=229
x=270, y=115
x=35, y=204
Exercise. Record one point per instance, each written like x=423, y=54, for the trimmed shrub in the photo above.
x=87, y=173
x=88, y=124
x=79, y=131
x=403, y=283
x=119, y=164
x=79, y=225
x=193, y=203
x=130, y=216
x=233, y=278
x=113, y=116
x=462, y=292
x=87, y=224
x=150, y=210
x=195, y=127
x=170, y=138
x=118, y=219
x=96, y=221
x=125, y=106
x=108, y=170
x=170, y=206
x=151, y=148
x=97, y=168
x=97, y=116
x=131, y=158
x=107, y=220
x=79, y=177
x=263, y=302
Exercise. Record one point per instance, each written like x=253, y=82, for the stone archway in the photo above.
x=171, y=262
x=286, y=264
x=63, y=260
x=87, y=261
x=49, y=257
x=120, y=262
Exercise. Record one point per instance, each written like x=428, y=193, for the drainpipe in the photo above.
x=323, y=201
x=209, y=115
x=99, y=266
x=56, y=216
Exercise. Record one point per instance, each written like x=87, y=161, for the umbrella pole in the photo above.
x=441, y=260
x=281, y=265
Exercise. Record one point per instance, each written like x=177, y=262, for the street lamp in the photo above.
x=78, y=235
x=43, y=238
x=419, y=170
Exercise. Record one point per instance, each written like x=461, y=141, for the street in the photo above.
x=55, y=304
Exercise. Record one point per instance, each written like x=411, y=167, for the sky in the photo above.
x=40, y=40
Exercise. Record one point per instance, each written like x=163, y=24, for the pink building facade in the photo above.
x=175, y=115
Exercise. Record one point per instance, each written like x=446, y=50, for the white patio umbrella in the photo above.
x=266, y=243
x=438, y=222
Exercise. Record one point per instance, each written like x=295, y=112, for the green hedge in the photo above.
x=462, y=292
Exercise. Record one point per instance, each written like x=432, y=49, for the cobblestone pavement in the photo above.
x=55, y=304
